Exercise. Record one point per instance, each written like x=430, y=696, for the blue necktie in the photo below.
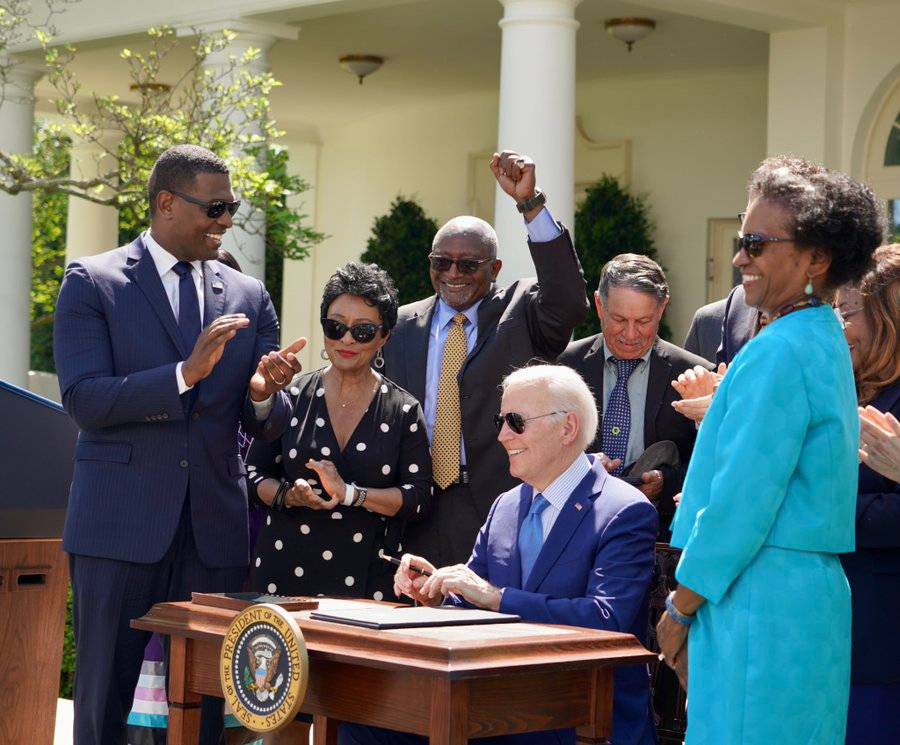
x=188, y=305
x=617, y=419
x=531, y=535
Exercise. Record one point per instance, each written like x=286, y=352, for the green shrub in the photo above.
x=48, y=242
x=399, y=243
x=67, y=672
x=610, y=221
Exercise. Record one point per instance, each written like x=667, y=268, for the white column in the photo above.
x=537, y=114
x=16, y=136
x=799, y=85
x=248, y=244
x=91, y=228
x=300, y=295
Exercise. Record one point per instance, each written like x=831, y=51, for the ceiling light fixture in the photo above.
x=361, y=64
x=629, y=30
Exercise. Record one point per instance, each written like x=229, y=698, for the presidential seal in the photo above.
x=264, y=667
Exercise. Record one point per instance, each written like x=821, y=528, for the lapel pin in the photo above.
x=578, y=505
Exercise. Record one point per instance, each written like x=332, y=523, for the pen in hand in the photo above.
x=396, y=562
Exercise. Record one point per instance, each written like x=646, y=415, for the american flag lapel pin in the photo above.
x=578, y=505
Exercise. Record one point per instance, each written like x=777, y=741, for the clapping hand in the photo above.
x=330, y=479
x=275, y=371
x=210, y=346
x=879, y=445
x=301, y=494
x=696, y=388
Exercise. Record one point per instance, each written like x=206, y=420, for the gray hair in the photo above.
x=566, y=390
x=634, y=272
x=473, y=228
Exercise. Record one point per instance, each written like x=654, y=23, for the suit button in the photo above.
x=195, y=416
x=184, y=464
x=165, y=416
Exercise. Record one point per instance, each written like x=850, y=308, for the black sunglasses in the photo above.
x=465, y=266
x=362, y=332
x=753, y=243
x=214, y=209
x=516, y=422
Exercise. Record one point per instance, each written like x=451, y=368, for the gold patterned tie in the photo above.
x=447, y=420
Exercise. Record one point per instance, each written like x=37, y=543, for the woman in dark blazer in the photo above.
x=871, y=316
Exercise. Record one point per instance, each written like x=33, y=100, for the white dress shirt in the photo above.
x=164, y=265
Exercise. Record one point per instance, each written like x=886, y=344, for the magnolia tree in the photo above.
x=224, y=107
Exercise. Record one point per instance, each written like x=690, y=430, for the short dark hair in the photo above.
x=177, y=168
x=227, y=258
x=635, y=272
x=369, y=282
x=830, y=211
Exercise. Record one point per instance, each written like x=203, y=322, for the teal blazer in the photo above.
x=775, y=463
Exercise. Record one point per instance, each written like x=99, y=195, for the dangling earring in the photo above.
x=378, y=363
x=324, y=354
x=809, y=288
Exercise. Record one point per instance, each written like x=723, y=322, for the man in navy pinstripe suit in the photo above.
x=161, y=351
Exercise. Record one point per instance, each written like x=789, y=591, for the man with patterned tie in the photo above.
x=572, y=545
x=161, y=351
x=630, y=370
x=452, y=350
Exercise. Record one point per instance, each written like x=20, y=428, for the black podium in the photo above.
x=37, y=444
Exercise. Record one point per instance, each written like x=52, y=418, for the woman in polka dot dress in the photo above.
x=352, y=468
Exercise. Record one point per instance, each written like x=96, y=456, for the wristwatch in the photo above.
x=361, y=494
x=538, y=200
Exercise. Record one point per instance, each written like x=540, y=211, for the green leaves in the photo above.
x=610, y=221
x=399, y=243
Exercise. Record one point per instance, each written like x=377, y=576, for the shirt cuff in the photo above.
x=262, y=409
x=543, y=228
x=179, y=378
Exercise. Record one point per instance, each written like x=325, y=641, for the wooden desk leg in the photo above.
x=449, y=723
x=184, y=704
x=599, y=731
x=324, y=730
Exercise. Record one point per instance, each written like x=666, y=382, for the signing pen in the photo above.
x=396, y=562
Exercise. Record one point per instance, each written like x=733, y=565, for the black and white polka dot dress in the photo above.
x=301, y=551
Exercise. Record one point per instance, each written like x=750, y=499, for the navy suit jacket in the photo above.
x=873, y=570
x=738, y=325
x=139, y=451
x=594, y=571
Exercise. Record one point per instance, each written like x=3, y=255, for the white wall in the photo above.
x=696, y=138
x=871, y=69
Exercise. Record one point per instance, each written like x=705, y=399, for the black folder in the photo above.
x=37, y=448
x=411, y=618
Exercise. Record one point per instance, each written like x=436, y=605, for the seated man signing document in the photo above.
x=571, y=545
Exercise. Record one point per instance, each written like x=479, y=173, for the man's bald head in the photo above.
x=472, y=229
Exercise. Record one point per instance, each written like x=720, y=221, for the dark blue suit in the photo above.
x=738, y=325
x=594, y=570
x=158, y=503
x=873, y=572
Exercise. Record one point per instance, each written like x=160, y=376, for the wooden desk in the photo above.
x=449, y=683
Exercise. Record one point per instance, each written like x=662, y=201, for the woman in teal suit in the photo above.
x=769, y=499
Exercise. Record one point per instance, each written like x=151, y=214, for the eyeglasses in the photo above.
x=214, y=209
x=753, y=243
x=362, y=332
x=464, y=266
x=516, y=421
